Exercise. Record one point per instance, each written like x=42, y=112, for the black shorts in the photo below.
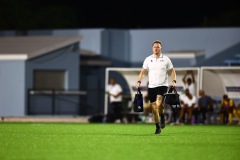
x=153, y=92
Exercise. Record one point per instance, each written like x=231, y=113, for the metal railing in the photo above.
x=53, y=94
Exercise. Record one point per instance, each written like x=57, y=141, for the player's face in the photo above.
x=156, y=48
x=112, y=81
x=189, y=81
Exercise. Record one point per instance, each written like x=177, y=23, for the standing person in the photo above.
x=189, y=82
x=114, y=91
x=157, y=65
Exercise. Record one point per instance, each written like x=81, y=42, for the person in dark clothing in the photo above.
x=205, y=107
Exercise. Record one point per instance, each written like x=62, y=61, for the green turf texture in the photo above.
x=76, y=141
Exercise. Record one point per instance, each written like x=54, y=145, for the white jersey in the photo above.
x=188, y=101
x=115, y=89
x=157, y=70
x=191, y=88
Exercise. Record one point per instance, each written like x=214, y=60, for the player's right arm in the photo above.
x=184, y=78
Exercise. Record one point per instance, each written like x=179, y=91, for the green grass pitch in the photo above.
x=83, y=141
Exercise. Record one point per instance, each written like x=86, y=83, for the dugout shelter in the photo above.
x=131, y=76
x=217, y=81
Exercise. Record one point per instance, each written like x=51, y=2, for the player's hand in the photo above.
x=173, y=84
x=138, y=85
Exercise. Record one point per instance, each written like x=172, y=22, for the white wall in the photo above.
x=12, y=88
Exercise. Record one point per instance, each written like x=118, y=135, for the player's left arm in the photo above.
x=174, y=76
x=140, y=77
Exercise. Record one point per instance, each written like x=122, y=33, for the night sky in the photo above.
x=57, y=14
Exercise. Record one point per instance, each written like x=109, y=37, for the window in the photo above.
x=50, y=79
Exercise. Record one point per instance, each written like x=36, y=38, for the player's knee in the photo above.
x=154, y=107
x=159, y=100
x=159, y=97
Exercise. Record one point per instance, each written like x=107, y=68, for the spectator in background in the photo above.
x=205, y=108
x=228, y=109
x=224, y=110
x=189, y=82
x=238, y=110
x=188, y=103
x=114, y=91
x=213, y=114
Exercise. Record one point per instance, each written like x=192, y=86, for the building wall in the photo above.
x=115, y=45
x=63, y=59
x=133, y=45
x=12, y=88
x=210, y=40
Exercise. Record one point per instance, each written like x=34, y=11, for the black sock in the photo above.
x=157, y=125
x=162, y=118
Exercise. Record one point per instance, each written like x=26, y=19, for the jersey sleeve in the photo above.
x=170, y=65
x=145, y=63
x=119, y=88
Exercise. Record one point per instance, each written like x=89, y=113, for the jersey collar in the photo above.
x=160, y=56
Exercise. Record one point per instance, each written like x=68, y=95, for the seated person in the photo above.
x=188, y=103
x=228, y=109
x=206, y=108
